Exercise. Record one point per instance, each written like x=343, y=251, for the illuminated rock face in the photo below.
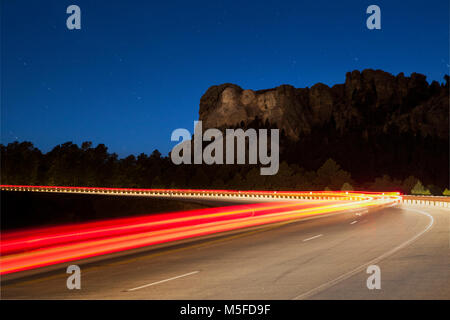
x=373, y=124
x=370, y=101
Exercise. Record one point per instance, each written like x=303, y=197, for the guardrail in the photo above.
x=434, y=201
x=203, y=194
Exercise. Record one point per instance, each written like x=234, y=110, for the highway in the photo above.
x=321, y=258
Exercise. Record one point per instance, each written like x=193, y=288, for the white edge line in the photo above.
x=319, y=235
x=374, y=261
x=161, y=281
x=353, y=222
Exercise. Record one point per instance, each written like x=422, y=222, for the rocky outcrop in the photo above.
x=374, y=122
x=373, y=100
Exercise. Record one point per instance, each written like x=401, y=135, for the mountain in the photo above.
x=374, y=122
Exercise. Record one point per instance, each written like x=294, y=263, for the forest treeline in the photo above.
x=71, y=165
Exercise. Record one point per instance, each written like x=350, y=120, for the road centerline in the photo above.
x=315, y=237
x=162, y=281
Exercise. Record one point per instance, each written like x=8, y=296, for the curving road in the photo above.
x=323, y=258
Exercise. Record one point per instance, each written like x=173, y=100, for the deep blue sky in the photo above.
x=137, y=69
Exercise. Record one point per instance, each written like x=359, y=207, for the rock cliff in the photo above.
x=371, y=99
x=396, y=124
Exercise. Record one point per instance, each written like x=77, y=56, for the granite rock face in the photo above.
x=375, y=123
x=371, y=99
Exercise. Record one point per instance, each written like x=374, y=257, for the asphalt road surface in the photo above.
x=324, y=258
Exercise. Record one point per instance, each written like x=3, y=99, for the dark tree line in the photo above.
x=70, y=165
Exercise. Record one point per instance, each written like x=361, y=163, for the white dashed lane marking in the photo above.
x=307, y=239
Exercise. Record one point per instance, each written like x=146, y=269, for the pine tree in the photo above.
x=419, y=189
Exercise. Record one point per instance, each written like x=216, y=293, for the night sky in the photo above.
x=137, y=69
